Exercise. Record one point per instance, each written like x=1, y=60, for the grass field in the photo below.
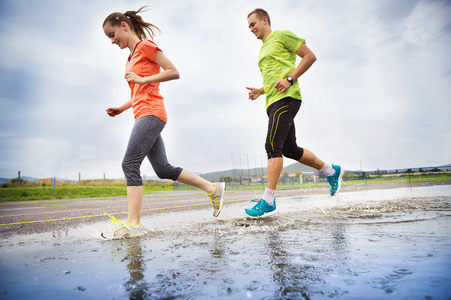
x=290, y=184
x=86, y=191
x=67, y=192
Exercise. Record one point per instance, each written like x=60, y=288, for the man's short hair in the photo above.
x=260, y=14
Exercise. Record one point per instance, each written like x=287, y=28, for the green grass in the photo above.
x=347, y=182
x=83, y=191
x=67, y=192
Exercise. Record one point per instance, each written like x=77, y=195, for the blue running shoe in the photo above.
x=335, y=180
x=261, y=209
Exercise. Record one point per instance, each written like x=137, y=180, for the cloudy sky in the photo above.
x=378, y=95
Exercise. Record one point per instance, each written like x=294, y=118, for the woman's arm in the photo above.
x=170, y=72
x=114, y=111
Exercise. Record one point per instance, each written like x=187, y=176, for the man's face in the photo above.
x=257, y=26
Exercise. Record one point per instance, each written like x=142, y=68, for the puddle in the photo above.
x=377, y=244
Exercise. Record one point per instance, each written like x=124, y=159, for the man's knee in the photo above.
x=272, y=151
x=293, y=153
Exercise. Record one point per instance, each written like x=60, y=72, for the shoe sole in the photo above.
x=126, y=236
x=263, y=216
x=340, y=178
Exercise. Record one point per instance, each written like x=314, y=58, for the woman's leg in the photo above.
x=135, y=200
x=144, y=134
x=164, y=170
x=188, y=177
x=161, y=166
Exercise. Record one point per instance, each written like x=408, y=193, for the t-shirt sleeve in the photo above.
x=149, y=50
x=291, y=41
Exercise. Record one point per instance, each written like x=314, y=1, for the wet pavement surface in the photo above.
x=362, y=244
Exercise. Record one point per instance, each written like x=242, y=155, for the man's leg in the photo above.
x=334, y=173
x=309, y=159
x=275, y=166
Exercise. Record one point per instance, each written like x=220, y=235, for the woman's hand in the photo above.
x=130, y=76
x=113, y=111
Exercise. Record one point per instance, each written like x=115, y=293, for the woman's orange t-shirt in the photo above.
x=145, y=98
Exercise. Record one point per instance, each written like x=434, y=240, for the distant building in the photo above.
x=47, y=181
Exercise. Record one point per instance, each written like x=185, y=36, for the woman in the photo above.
x=143, y=75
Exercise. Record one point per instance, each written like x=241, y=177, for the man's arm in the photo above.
x=308, y=58
x=254, y=93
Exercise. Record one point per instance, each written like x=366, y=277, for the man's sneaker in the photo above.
x=125, y=230
x=217, y=198
x=335, y=180
x=261, y=209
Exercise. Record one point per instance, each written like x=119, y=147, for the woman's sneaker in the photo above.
x=217, y=198
x=125, y=230
x=335, y=180
x=261, y=209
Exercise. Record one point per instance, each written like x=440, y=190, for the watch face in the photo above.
x=290, y=79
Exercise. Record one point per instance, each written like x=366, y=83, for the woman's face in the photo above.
x=117, y=34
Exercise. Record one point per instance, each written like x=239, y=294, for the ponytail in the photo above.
x=134, y=21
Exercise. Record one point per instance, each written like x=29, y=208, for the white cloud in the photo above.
x=377, y=94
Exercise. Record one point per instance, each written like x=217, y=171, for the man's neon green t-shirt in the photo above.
x=276, y=61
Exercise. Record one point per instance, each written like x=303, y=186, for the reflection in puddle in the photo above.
x=387, y=244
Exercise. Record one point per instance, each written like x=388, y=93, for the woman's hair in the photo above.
x=260, y=14
x=134, y=21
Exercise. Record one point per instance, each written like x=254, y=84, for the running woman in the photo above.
x=283, y=100
x=143, y=74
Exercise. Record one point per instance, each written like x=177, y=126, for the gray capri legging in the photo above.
x=145, y=140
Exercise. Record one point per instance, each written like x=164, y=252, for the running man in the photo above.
x=283, y=99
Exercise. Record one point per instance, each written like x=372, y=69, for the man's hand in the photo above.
x=282, y=85
x=254, y=93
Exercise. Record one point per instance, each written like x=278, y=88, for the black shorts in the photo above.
x=281, y=136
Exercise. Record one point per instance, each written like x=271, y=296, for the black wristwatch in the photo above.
x=290, y=79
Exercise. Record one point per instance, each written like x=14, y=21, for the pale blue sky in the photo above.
x=378, y=95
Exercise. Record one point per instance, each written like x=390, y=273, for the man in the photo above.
x=283, y=100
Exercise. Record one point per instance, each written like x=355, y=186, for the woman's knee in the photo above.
x=168, y=172
x=132, y=173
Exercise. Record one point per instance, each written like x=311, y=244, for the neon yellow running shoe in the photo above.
x=124, y=230
x=217, y=198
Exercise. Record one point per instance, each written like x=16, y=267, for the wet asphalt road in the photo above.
x=25, y=217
